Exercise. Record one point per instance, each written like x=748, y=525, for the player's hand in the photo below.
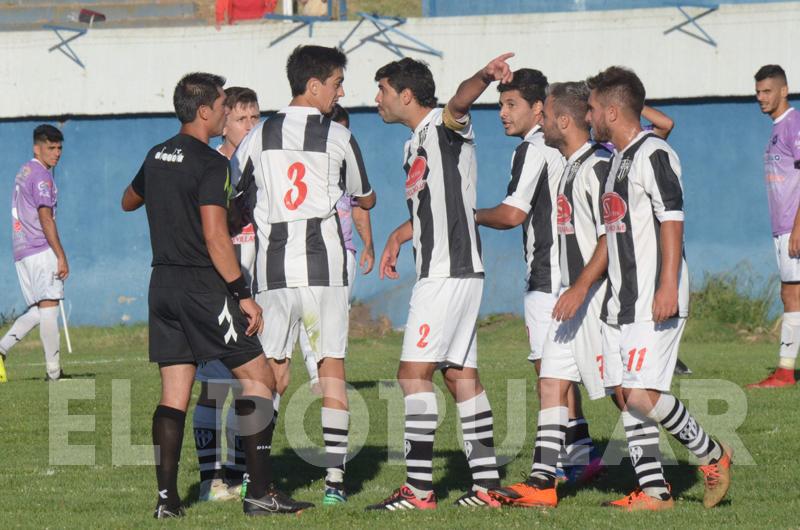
x=498, y=69
x=794, y=244
x=387, y=267
x=665, y=303
x=255, y=320
x=367, y=260
x=569, y=303
x=62, y=268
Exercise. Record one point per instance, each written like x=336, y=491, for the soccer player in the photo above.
x=200, y=304
x=441, y=180
x=301, y=163
x=573, y=341
x=40, y=259
x=350, y=214
x=218, y=483
x=647, y=300
x=530, y=201
x=782, y=175
x=660, y=123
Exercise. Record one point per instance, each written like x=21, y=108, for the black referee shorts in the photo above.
x=193, y=318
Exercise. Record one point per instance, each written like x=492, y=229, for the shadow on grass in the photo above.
x=457, y=479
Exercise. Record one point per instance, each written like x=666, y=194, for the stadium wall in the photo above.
x=133, y=71
x=720, y=144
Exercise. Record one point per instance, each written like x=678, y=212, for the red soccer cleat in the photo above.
x=779, y=378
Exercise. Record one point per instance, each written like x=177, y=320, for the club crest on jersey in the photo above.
x=614, y=210
x=415, y=180
x=564, y=217
x=624, y=169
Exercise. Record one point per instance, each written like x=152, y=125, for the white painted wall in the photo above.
x=135, y=70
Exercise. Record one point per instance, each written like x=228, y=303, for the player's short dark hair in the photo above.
x=340, y=115
x=413, y=75
x=773, y=71
x=571, y=98
x=193, y=91
x=47, y=133
x=622, y=84
x=531, y=84
x=238, y=95
x=318, y=62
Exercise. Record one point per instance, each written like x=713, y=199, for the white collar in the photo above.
x=782, y=116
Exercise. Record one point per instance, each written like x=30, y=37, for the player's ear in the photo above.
x=406, y=96
x=563, y=121
x=785, y=91
x=537, y=107
x=312, y=86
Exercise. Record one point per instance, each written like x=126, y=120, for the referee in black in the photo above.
x=200, y=307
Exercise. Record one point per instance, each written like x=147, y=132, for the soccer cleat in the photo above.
x=273, y=502
x=639, y=501
x=404, y=499
x=682, y=369
x=165, y=512
x=477, y=499
x=215, y=490
x=525, y=495
x=779, y=378
x=3, y=376
x=582, y=475
x=334, y=494
x=60, y=376
x=717, y=477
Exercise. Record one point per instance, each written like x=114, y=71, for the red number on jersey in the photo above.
x=600, y=364
x=632, y=356
x=423, y=331
x=296, y=173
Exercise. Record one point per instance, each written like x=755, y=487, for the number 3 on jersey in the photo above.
x=297, y=193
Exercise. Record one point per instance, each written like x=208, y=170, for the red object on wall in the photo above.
x=235, y=10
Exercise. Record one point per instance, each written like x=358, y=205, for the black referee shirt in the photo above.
x=176, y=179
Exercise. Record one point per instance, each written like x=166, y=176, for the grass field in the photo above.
x=38, y=493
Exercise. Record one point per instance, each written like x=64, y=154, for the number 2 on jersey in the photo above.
x=424, y=330
x=295, y=174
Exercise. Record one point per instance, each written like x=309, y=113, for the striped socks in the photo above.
x=335, y=424
x=671, y=413
x=550, y=435
x=207, y=441
x=642, y=435
x=422, y=415
x=477, y=427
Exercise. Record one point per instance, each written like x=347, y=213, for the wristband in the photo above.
x=239, y=289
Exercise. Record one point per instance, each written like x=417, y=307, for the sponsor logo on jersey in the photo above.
x=415, y=181
x=44, y=189
x=17, y=226
x=175, y=156
x=564, y=215
x=614, y=210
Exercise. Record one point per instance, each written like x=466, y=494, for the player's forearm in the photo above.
x=402, y=233
x=368, y=201
x=51, y=232
x=363, y=225
x=796, y=224
x=671, y=245
x=468, y=92
x=662, y=124
x=596, y=267
x=501, y=217
x=223, y=256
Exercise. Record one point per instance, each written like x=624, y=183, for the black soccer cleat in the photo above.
x=682, y=369
x=165, y=512
x=273, y=502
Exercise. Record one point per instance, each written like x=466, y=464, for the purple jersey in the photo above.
x=344, y=206
x=34, y=187
x=782, y=172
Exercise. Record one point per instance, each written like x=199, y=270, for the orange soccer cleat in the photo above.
x=527, y=496
x=639, y=501
x=779, y=378
x=717, y=477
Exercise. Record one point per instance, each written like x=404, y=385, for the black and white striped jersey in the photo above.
x=441, y=180
x=579, y=217
x=643, y=190
x=300, y=163
x=535, y=172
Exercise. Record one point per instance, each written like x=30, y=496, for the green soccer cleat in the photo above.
x=334, y=494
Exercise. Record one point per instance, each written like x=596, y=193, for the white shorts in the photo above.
x=38, y=277
x=642, y=354
x=352, y=267
x=322, y=311
x=538, y=316
x=788, y=267
x=574, y=349
x=211, y=371
x=247, y=260
x=442, y=321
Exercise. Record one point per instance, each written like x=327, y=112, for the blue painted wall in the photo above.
x=720, y=145
x=451, y=8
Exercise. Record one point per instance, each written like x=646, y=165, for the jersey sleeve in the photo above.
x=461, y=126
x=215, y=184
x=527, y=168
x=794, y=142
x=41, y=189
x=355, y=179
x=662, y=181
x=137, y=184
x=597, y=182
